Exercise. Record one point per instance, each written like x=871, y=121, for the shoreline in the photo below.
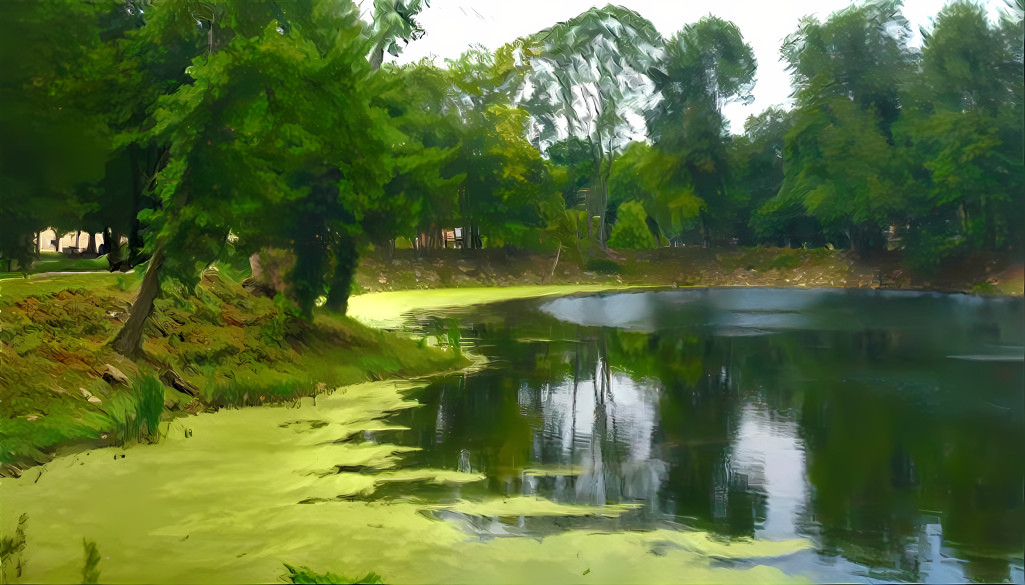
x=468, y=281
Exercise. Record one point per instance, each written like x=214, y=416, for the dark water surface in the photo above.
x=886, y=427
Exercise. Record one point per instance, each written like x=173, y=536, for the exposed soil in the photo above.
x=690, y=266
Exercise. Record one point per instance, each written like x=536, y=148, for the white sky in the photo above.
x=453, y=25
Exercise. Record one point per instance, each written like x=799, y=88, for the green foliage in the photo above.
x=308, y=575
x=595, y=54
x=963, y=133
x=90, y=570
x=986, y=288
x=645, y=174
x=706, y=65
x=631, y=229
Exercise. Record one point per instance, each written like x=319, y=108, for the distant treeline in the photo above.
x=202, y=128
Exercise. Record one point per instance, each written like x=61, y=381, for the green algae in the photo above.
x=533, y=507
x=386, y=309
x=241, y=493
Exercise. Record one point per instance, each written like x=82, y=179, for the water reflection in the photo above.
x=755, y=413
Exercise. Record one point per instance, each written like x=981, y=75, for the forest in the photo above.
x=189, y=128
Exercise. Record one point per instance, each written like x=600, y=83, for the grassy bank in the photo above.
x=217, y=347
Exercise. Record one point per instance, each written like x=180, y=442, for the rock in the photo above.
x=112, y=375
x=465, y=267
x=89, y=396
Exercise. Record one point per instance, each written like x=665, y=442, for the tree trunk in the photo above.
x=90, y=242
x=558, y=252
x=346, y=259
x=113, y=241
x=128, y=341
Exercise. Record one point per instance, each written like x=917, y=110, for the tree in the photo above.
x=423, y=194
x=505, y=178
x=593, y=65
x=275, y=139
x=705, y=66
x=53, y=141
x=962, y=136
x=840, y=164
x=643, y=174
x=757, y=163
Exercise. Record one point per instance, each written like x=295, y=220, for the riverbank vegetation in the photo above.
x=215, y=346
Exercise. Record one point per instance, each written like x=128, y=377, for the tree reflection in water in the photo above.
x=887, y=427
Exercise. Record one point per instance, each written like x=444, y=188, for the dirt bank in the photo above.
x=780, y=267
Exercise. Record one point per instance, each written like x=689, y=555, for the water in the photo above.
x=731, y=435
x=886, y=427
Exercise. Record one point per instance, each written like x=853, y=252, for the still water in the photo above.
x=885, y=427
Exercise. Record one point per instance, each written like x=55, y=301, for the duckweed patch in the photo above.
x=237, y=497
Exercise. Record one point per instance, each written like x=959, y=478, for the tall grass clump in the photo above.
x=135, y=414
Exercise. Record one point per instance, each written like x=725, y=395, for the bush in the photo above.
x=631, y=230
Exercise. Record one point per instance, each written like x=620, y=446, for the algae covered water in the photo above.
x=732, y=435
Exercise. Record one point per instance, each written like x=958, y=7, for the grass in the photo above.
x=58, y=262
x=231, y=348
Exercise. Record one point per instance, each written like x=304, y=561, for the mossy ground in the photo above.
x=232, y=347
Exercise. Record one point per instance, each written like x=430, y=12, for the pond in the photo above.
x=886, y=427
x=729, y=435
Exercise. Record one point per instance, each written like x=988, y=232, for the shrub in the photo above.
x=631, y=230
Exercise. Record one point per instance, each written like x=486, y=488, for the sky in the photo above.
x=454, y=25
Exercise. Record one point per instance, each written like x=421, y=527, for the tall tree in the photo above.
x=594, y=67
x=962, y=136
x=275, y=139
x=705, y=66
x=841, y=166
